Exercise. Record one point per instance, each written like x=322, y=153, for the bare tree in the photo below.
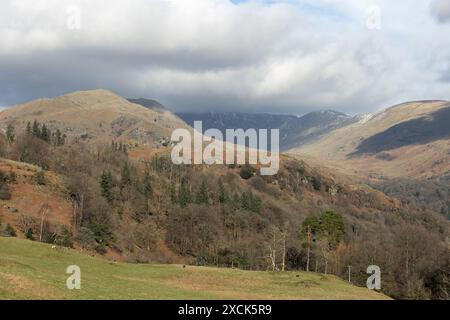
x=308, y=256
x=43, y=211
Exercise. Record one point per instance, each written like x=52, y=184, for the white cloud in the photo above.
x=292, y=57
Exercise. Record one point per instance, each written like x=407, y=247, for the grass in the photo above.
x=31, y=270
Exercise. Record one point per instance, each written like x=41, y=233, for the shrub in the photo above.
x=10, y=231
x=12, y=177
x=316, y=183
x=39, y=177
x=29, y=234
x=247, y=172
x=5, y=194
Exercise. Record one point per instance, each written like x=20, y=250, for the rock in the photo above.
x=13, y=210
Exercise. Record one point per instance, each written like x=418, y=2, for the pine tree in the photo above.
x=202, y=196
x=36, y=129
x=148, y=186
x=107, y=184
x=59, y=138
x=173, y=194
x=126, y=175
x=10, y=133
x=250, y=202
x=223, y=196
x=29, y=234
x=28, y=128
x=45, y=134
x=184, y=194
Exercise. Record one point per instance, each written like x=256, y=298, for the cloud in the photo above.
x=288, y=56
x=441, y=10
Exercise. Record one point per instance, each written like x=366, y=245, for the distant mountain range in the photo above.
x=407, y=140
x=295, y=131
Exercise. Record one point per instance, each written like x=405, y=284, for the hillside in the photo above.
x=31, y=270
x=294, y=130
x=136, y=206
x=98, y=116
x=408, y=140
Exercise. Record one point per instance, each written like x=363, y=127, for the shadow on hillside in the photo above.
x=434, y=127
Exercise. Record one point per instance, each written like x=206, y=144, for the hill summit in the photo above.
x=97, y=116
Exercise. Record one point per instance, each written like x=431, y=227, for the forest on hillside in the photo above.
x=228, y=216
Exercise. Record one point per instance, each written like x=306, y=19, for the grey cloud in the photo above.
x=441, y=10
x=211, y=55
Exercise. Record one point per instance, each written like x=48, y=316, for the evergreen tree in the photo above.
x=107, y=184
x=184, y=194
x=10, y=133
x=250, y=202
x=173, y=194
x=28, y=128
x=332, y=227
x=59, y=138
x=223, y=196
x=148, y=186
x=29, y=234
x=36, y=129
x=45, y=134
x=126, y=175
x=202, y=196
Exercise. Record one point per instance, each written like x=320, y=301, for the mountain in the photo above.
x=150, y=104
x=138, y=206
x=294, y=130
x=407, y=140
x=97, y=116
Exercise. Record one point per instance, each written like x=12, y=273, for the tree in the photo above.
x=250, y=202
x=126, y=175
x=59, y=138
x=10, y=231
x=148, y=186
x=39, y=177
x=202, y=196
x=247, y=172
x=36, y=129
x=332, y=227
x=10, y=133
x=272, y=247
x=184, y=194
x=29, y=234
x=45, y=133
x=223, y=195
x=107, y=185
x=309, y=232
x=28, y=128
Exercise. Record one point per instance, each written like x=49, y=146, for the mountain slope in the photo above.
x=96, y=115
x=294, y=131
x=407, y=140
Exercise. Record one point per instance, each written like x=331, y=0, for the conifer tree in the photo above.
x=184, y=194
x=126, y=175
x=148, y=186
x=28, y=128
x=36, y=129
x=45, y=133
x=223, y=196
x=202, y=196
x=10, y=133
x=107, y=184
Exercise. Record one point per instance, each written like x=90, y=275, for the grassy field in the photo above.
x=30, y=270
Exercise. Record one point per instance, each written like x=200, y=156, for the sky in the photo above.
x=291, y=56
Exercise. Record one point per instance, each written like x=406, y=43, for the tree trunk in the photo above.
x=309, y=248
